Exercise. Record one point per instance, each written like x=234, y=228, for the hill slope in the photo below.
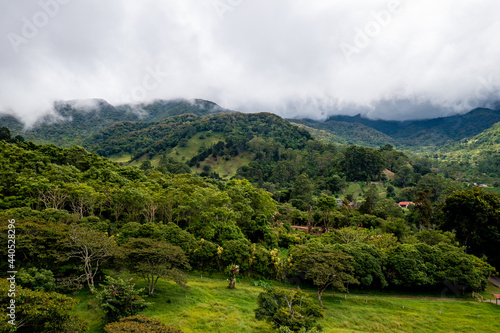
x=430, y=132
x=486, y=143
x=347, y=133
x=191, y=138
x=74, y=121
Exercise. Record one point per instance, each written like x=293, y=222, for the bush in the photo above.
x=39, y=311
x=291, y=308
x=35, y=279
x=119, y=298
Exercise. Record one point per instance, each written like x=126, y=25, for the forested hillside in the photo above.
x=415, y=133
x=350, y=133
x=74, y=121
x=235, y=195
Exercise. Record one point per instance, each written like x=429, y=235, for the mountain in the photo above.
x=198, y=140
x=346, y=133
x=415, y=133
x=485, y=144
x=74, y=121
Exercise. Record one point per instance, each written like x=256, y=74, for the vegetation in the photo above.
x=139, y=324
x=131, y=240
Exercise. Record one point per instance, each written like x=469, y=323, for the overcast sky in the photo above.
x=389, y=59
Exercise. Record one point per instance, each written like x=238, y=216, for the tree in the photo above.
x=439, y=186
x=327, y=206
x=361, y=163
x=325, y=266
x=139, y=324
x=253, y=209
x=5, y=134
x=82, y=197
x=39, y=311
x=422, y=210
x=154, y=259
x=287, y=308
x=303, y=189
x=119, y=298
x=368, y=263
x=90, y=247
x=474, y=216
x=371, y=199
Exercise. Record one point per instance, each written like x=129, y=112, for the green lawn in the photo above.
x=209, y=306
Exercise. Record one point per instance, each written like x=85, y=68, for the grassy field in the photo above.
x=209, y=306
x=358, y=189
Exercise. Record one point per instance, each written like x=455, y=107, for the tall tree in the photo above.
x=474, y=216
x=154, y=260
x=91, y=248
x=324, y=266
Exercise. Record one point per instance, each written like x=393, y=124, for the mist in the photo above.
x=385, y=59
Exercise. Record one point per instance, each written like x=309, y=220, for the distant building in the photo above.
x=405, y=204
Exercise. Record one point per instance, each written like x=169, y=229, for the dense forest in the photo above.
x=81, y=219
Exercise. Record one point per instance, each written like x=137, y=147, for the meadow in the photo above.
x=209, y=306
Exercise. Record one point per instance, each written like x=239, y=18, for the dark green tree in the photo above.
x=361, y=163
x=288, y=308
x=324, y=266
x=474, y=216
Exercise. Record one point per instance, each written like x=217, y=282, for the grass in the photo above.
x=209, y=306
x=358, y=190
x=225, y=169
x=124, y=158
x=191, y=149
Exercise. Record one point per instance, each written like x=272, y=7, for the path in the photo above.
x=495, y=280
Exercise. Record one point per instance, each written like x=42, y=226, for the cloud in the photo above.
x=386, y=59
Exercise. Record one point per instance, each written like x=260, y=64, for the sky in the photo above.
x=399, y=60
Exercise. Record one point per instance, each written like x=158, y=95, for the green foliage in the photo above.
x=291, y=308
x=435, y=237
x=39, y=242
x=413, y=133
x=344, y=133
x=38, y=311
x=324, y=265
x=154, y=259
x=91, y=248
x=413, y=265
x=474, y=216
x=139, y=324
x=36, y=279
x=361, y=163
x=368, y=263
x=237, y=252
x=119, y=298
x=263, y=284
